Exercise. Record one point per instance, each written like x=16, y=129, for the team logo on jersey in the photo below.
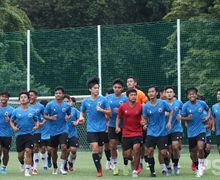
x=150, y=112
x=190, y=111
x=200, y=109
x=54, y=110
x=63, y=109
x=111, y=102
x=19, y=115
x=99, y=103
x=88, y=105
x=160, y=110
x=38, y=111
x=126, y=111
x=6, y=113
x=176, y=108
x=30, y=115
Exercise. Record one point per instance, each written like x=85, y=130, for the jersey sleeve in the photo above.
x=120, y=110
x=47, y=109
x=35, y=118
x=143, y=98
x=184, y=110
x=13, y=116
x=144, y=111
x=180, y=107
x=213, y=112
x=205, y=105
x=83, y=106
x=68, y=112
x=166, y=106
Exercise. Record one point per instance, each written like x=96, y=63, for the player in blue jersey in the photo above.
x=39, y=109
x=192, y=113
x=115, y=100
x=45, y=141
x=5, y=129
x=95, y=108
x=216, y=119
x=23, y=122
x=58, y=113
x=154, y=113
x=175, y=134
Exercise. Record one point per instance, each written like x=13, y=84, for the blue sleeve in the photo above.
x=69, y=108
x=166, y=106
x=13, y=116
x=77, y=114
x=144, y=111
x=106, y=103
x=180, y=107
x=10, y=112
x=125, y=99
x=47, y=109
x=83, y=106
x=35, y=118
x=213, y=112
x=205, y=105
x=184, y=110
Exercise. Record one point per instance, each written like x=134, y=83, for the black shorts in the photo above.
x=24, y=141
x=218, y=140
x=161, y=142
x=106, y=139
x=58, y=140
x=37, y=138
x=128, y=142
x=73, y=142
x=5, y=142
x=45, y=142
x=113, y=135
x=208, y=140
x=193, y=141
x=176, y=136
x=99, y=137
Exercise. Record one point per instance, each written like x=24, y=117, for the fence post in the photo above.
x=178, y=60
x=28, y=60
x=99, y=59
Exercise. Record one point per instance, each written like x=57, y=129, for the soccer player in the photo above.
x=45, y=141
x=175, y=134
x=5, y=129
x=192, y=113
x=216, y=119
x=39, y=109
x=95, y=108
x=23, y=122
x=154, y=114
x=131, y=112
x=58, y=113
x=115, y=100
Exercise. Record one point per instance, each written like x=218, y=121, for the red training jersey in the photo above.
x=131, y=119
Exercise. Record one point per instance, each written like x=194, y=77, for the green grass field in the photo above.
x=85, y=169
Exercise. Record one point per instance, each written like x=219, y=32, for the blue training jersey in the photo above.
x=39, y=109
x=216, y=115
x=72, y=131
x=156, y=117
x=45, y=131
x=196, y=125
x=96, y=121
x=59, y=125
x=24, y=120
x=5, y=128
x=115, y=103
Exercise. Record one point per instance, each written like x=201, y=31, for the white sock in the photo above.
x=72, y=157
x=27, y=166
x=114, y=162
x=163, y=167
x=44, y=159
x=201, y=161
x=36, y=160
x=62, y=163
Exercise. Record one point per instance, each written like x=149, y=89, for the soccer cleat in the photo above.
x=49, y=164
x=164, y=173
x=200, y=170
x=176, y=170
x=34, y=171
x=197, y=174
x=153, y=175
x=71, y=168
x=135, y=173
x=27, y=173
x=193, y=166
x=3, y=170
x=63, y=171
x=125, y=171
x=55, y=171
x=139, y=169
x=169, y=172
x=22, y=168
x=45, y=169
x=116, y=171
x=108, y=165
x=99, y=174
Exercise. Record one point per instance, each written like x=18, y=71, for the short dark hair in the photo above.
x=73, y=99
x=23, y=92
x=59, y=88
x=33, y=91
x=44, y=102
x=109, y=91
x=162, y=89
x=92, y=81
x=153, y=86
x=132, y=77
x=191, y=89
x=129, y=91
x=66, y=96
x=5, y=93
x=169, y=87
x=118, y=81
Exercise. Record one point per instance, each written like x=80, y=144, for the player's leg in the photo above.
x=170, y=152
x=127, y=154
x=137, y=141
x=54, y=141
x=74, y=144
x=43, y=154
x=107, y=152
x=201, y=154
x=63, y=139
x=218, y=143
x=37, y=141
x=29, y=144
x=193, y=153
x=5, y=144
x=20, y=149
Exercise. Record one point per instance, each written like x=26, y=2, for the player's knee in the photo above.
x=73, y=150
x=28, y=151
x=164, y=153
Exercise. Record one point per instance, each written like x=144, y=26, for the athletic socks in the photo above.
x=151, y=163
x=63, y=162
x=108, y=154
x=96, y=159
x=43, y=157
x=36, y=160
x=125, y=161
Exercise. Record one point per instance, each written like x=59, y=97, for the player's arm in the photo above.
x=117, y=128
x=184, y=116
x=13, y=122
x=48, y=117
x=213, y=124
x=82, y=117
x=36, y=122
x=68, y=114
x=106, y=111
x=169, y=123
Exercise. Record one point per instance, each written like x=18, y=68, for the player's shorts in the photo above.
x=24, y=141
x=5, y=142
x=113, y=135
x=45, y=142
x=37, y=138
x=144, y=132
x=73, y=142
x=161, y=142
x=208, y=140
x=106, y=139
x=99, y=137
x=59, y=139
x=128, y=142
x=193, y=141
x=176, y=136
x=218, y=140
